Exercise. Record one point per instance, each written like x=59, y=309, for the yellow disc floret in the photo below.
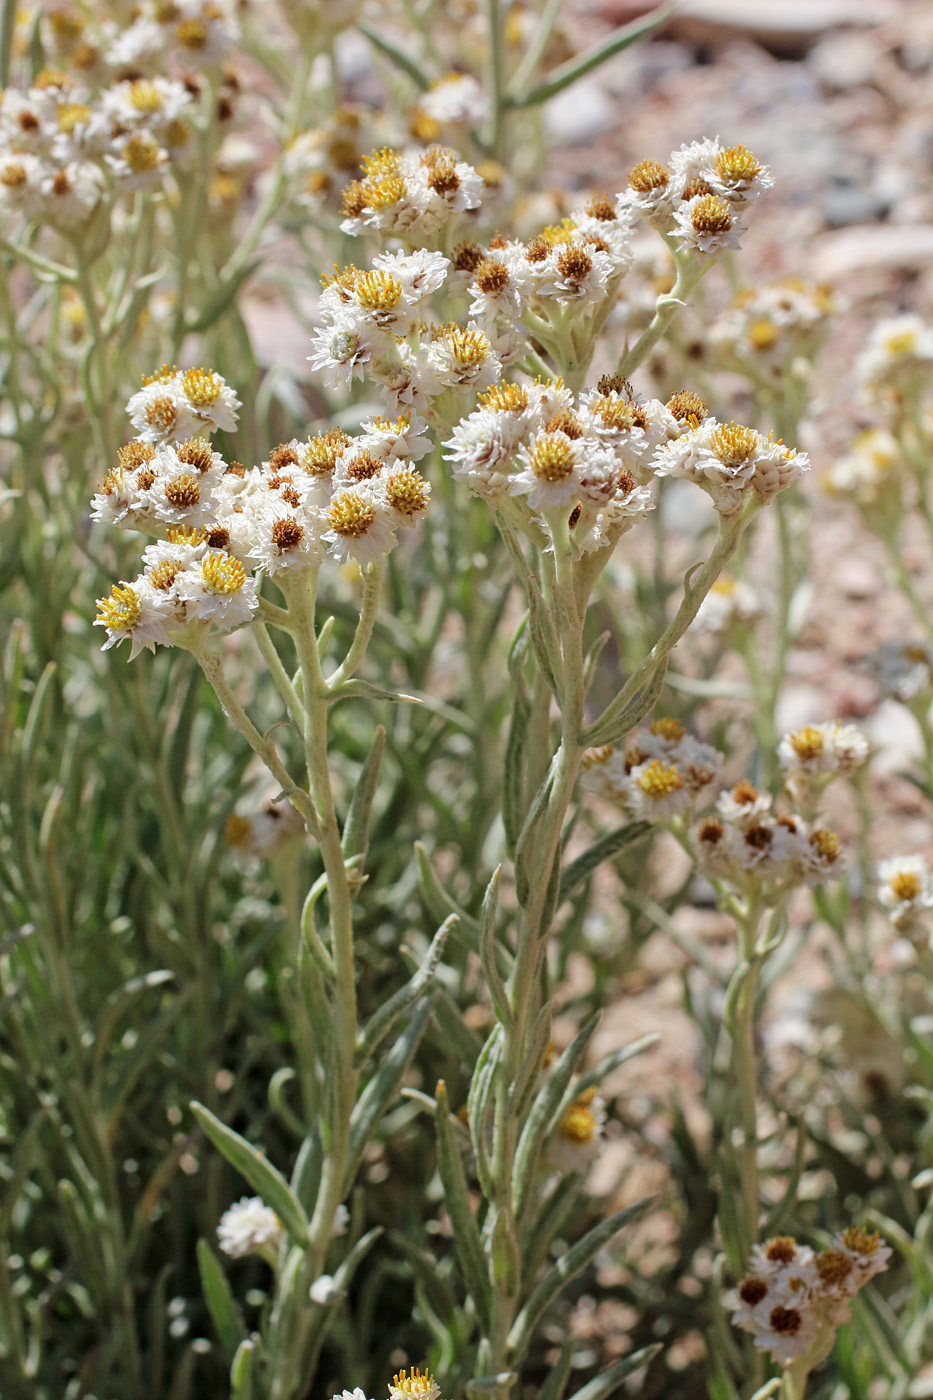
x=122, y=610
x=351, y=514
x=658, y=780
x=222, y=573
x=201, y=387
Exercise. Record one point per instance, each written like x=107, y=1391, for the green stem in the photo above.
x=495, y=38
x=689, y=271
x=212, y=665
x=727, y=540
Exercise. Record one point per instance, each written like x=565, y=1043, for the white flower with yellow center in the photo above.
x=414, y=1385
x=137, y=613
x=360, y=525
x=577, y=1136
x=905, y=889
x=217, y=590
x=899, y=352
x=657, y=790
x=827, y=749
x=708, y=224
x=550, y=470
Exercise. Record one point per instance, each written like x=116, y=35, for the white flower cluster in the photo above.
x=747, y=846
x=189, y=33
x=451, y=105
x=537, y=445
x=905, y=892
x=870, y=474
x=216, y=524
x=695, y=199
x=793, y=1299
x=769, y=327
x=249, y=1227
x=898, y=357
x=826, y=750
x=375, y=324
x=63, y=151
x=410, y=194
x=662, y=773
x=568, y=274
x=321, y=162
x=731, y=463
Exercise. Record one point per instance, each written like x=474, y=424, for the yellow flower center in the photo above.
x=351, y=514
x=733, y=444
x=145, y=96
x=649, y=175
x=378, y=290
x=736, y=165
x=222, y=573
x=201, y=387
x=905, y=885
x=668, y=728
x=553, y=458
x=807, y=743
x=407, y=491
x=658, y=780
x=122, y=610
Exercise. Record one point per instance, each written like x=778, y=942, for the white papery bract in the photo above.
x=249, y=1227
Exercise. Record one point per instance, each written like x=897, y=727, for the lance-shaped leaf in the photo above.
x=602, y=1386
x=557, y=1210
x=536, y=1129
x=356, y=827
x=488, y=951
x=374, y=1101
x=467, y=1242
x=555, y=1382
x=363, y=690
x=440, y=903
x=606, y=1066
x=580, y=65
x=268, y=1183
x=513, y=779
x=481, y=1086
x=566, y=1268
x=241, y=1372
x=220, y=1301
x=306, y=1175
x=397, y=55
x=382, y=1020
x=544, y=636
x=609, y=845
x=524, y=1085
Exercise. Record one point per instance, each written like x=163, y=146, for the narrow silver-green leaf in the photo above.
x=604, y=1385
x=467, y=1242
x=220, y=1301
x=567, y=1267
x=609, y=845
x=265, y=1179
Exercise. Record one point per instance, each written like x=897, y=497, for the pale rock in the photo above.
x=894, y=737
x=871, y=248
x=858, y=578
x=579, y=114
